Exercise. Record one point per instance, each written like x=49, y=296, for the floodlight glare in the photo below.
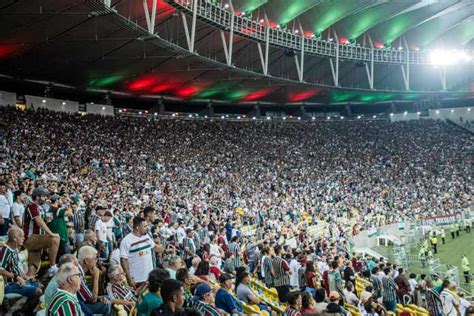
x=449, y=57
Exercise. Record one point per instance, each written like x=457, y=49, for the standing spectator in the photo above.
x=18, y=208
x=64, y=302
x=433, y=301
x=389, y=291
x=267, y=267
x=349, y=275
x=4, y=209
x=77, y=218
x=189, y=247
x=35, y=241
x=281, y=277
x=334, y=279
x=136, y=251
x=449, y=299
x=58, y=224
x=403, y=285
x=101, y=230
x=294, y=267
x=376, y=283
x=236, y=252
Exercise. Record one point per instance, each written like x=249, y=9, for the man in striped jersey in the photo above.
x=87, y=257
x=389, y=291
x=35, y=240
x=235, y=249
x=281, y=274
x=433, y=301
x=16, y=282
x=189, y=247
x=203, y=301
x=267, y=267
x=64, y=301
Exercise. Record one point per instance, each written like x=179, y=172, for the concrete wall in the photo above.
x=51, y=104
x=100, y=109
x=453, y=114
x=7, y=98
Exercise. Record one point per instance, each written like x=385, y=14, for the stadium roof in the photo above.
x=84, y=45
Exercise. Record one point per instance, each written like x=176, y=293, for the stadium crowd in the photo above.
x=153, y=215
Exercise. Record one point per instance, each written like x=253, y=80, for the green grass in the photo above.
x=449, y=253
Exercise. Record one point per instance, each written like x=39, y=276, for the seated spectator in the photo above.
x=245, y=293
x=16, y=281
x=64, y=301
x=174, y=263
x=88, y=298
x=194, y=265
x=152, y=299
x=349, y=294
x=53, y=284
x=90, y=239
x=214, y=267
x=333, y=306
x=183, y=276
x=173, y=299
x=224, y=300
x=120, y=293
x=203, y=273
x=294, y=304
x=203, y=301
x=307, y=305
x=320, y=298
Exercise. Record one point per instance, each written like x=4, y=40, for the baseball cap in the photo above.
x=202, y=289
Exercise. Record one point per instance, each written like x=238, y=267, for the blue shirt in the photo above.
x=226, y=302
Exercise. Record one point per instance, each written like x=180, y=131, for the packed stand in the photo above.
x=146, y=217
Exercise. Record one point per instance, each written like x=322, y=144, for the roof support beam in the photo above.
x=228, y=48
x=370, y=70
x=335, y=68
x=150, y=19
x=264, y=59
x=300, y=62
x=406, y=68
x=190, y=36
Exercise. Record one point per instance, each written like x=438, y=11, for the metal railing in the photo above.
x=219, y=16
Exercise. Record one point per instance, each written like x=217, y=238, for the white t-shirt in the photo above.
x=449, y=301
x=4, y=206
x=413, y=285
x=138, y=251
x=18, y=209
x=351, y=298
x=101, y=230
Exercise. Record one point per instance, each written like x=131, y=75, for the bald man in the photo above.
x=16, y=282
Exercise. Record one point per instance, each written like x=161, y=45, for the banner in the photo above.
x=439, y=220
